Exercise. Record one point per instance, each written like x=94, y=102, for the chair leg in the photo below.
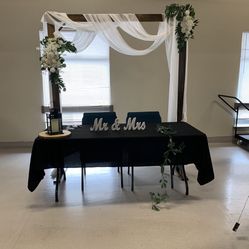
x=121, y=176
x=64, y=174
x=57, y=184
x=185, y=179
x=182, y=174
x=83, y=169
x=132, y=178
x=61, y=173
x=172, y=171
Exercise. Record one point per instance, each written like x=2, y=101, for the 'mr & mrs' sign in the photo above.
x=131, y=125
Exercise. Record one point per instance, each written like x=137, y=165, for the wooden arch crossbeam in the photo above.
x=141, y=18
x=81, y=18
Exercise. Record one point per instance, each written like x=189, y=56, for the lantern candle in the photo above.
x=54, y=122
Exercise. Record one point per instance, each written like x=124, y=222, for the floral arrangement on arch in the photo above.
x=52, y=59
x=186, y=22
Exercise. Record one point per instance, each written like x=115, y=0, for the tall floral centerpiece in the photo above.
x=52, y=59
x=186, y=22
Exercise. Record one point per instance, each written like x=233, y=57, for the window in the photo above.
x=87, y=80
x=243, y=84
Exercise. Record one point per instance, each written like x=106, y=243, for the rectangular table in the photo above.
x=136, y=148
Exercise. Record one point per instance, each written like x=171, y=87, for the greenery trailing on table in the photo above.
x=52, y=59
x=186, y=22
x=172, y=151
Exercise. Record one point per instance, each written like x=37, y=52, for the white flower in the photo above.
x=60, y=42
x=51, y=55
x=52, y=59
x=52, y=70
x=187, y=12
x=187, y=25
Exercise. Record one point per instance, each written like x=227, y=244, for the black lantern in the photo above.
x=54, y=122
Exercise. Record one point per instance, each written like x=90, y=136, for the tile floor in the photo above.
x=110, y=218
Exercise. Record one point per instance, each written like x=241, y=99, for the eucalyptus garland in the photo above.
x=186, y=22
x=171, y=152
x=52, y=59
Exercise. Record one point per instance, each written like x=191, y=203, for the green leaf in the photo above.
x=55, y=77
x=155, y=208
x=162, y=169
x=179, y=11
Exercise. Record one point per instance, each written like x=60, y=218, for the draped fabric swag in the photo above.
x=108, y=27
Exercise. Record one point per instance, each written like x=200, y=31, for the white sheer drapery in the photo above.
x=108, y=25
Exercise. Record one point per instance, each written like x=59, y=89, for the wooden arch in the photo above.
x=141, y=18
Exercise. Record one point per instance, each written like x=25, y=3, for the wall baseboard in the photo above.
x=16, y=144
x=225, y=139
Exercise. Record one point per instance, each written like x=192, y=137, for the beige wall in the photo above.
x=138, y=83
x=214, y=63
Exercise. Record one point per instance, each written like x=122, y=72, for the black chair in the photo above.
x=88, y=119
x=149, y=117
x=153, y=117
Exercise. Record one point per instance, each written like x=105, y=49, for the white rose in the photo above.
x=54, y=62
x=50, y=40
x=61, y=42
x=52, y=70
x=50, y=56
x=56, y=45
x=187, y=12
x=187, y=25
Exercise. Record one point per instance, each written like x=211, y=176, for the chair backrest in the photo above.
x=108, y=117
x=150, y=117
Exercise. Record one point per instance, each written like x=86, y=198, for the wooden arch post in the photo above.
x=141, y=18
x=55, y=88
x=181, y=83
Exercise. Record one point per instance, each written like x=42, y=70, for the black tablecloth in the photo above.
x=136, y=148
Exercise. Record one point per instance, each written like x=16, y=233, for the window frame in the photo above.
x=77, y=108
